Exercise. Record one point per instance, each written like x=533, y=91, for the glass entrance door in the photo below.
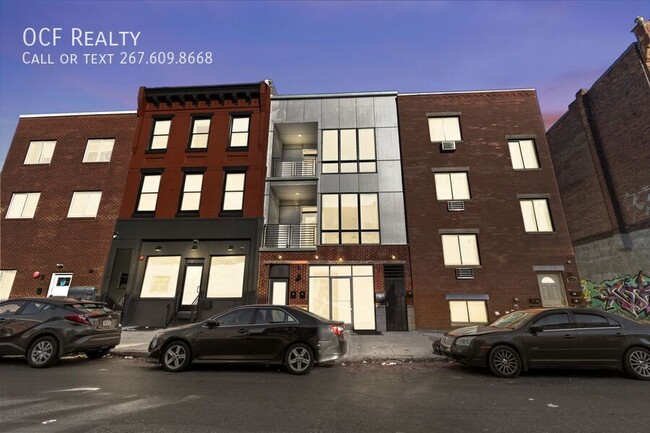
x=341, y=300
x=191, y=286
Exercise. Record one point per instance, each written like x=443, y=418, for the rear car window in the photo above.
x=593, y=321
x=10, y=308
x=272, y=315
x=554, y=321
x=91, y=308
x=34, y=307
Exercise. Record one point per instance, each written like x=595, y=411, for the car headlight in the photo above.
x=463, y=341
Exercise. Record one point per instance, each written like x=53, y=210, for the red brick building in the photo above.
x=601, y=153
x=486, y=229
x=185, y=244
x=62, y=186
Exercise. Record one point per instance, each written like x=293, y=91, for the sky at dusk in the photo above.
x=556, y=47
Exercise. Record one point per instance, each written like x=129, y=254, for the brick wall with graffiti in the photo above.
x=628, y=295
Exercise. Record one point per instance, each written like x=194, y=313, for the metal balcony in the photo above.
x=304, y=168
x=289, y=236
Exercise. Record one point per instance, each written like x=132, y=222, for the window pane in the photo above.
x=193, y=182
x=469, y=250
x=16, y=206
x=367, y=167
x=199, y=141
x=162, y=127
x=348, y=144
x=348, y=167
x=528, y=214
x=477, y=311
x=458, y=310
x=319, y=296
x=191, y=201
x=451, y=250
x=330, y=212
x=349, y=212
x=443, y=186
x=340, y=271
x=34, y=152
x=543, y=216
x=330, y=168
x=226, y=278
x=330, y=238
x=99, y=150
x=350, y=237
x=235, y=181
x=233, y=200
x=239, y=139
x=319, y=271
x=48, y=151
x=240, y=124
x=452, y=129
x=436, y=129
x=159, y=142
x=369, y=212
x=330, y=145
x=515, y=155
x=459, y=186
x=369, y=237
x=201, y=126
x=528, y=154
x=151, y=183
x=147, y=202
x=30, y=205
x=366, y=144
x=161, y=277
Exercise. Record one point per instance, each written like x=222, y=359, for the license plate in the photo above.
x=106, y=323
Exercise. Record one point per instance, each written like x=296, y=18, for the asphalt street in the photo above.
x=129, y=395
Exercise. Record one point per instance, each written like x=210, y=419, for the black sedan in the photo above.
x=261, y=334
x=553, y=337
x=44, y=329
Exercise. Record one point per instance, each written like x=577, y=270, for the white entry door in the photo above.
x=279, y=293
x=341, y=300
x=59, y=285
x=552, y=290
x=192, y=285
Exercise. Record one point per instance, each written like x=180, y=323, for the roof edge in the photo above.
x=89, y=113
x=335, y=95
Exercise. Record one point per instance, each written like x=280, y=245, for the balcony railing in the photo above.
x=304, y=168
x=289, y=236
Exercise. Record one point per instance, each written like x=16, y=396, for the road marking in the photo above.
x=77, y=389
x=48, y=421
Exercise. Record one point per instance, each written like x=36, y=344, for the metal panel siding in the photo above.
x=385, y=111
x=387, y=143
x=390, y=176
x=330, y=113
x=349, y=182
x=313, y=110
x=295, y=111
x=278, y=112
x=365, y=113
x=329, y=183
x=348, y=113
x=368, y=183
x=391, y=217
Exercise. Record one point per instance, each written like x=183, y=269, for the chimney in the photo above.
x=642, y=33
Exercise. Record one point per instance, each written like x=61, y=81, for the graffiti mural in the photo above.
x=628, y=295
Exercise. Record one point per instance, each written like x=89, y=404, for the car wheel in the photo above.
x=96, y=354
x=43, y=352
x=504, y=361
x=176, y=356
x=299, y=359
x=637, y=363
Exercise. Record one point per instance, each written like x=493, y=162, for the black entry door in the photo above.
x=394, y=287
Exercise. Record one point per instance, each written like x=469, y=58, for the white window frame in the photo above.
x=40, y=152
x=232, y=192
x=194, y=144
x=99, y=150
x=86, y=201
x=523, y=154
x=23, y=205
x=148, y=192
x=536, y=214
x=452, y=186
x=228, y=281
x=444, y=128
x=460, y=250
x=238, y=135
x=456, y=308
x=159, y=144
x=190, y=193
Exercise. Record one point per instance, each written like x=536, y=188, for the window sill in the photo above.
x=197, y=150
x=155, y=151
x=463, y=266
x=237, y=149
x=542, y=233
x=231, y=214
x=143, y=214
x=187, y=214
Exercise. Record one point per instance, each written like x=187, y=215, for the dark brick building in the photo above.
x=486, y=229
x=62, y=186
x=601, y=153
x=185, y=244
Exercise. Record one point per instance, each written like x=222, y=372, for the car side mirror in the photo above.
x=535, y=329
x=211, y=323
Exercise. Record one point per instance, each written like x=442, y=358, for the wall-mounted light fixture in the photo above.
x=116, y=234
x=393, y=257
x=231, y=248
x=298, y=277
x=195, y=244
x=59, y=265
x=158, y=248
x=316, y=257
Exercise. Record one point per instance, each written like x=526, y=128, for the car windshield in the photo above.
x=513, y=320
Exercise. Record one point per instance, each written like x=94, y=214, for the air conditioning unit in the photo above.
x=464, y=273
x=448, y=146
x=455, y=205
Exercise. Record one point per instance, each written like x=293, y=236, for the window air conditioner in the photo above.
x=455, y=205
x=464, y=273
x=448, y=145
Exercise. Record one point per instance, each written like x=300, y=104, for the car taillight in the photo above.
x=79, y=319
x=337, y=329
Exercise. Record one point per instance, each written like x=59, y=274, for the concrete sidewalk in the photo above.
x=386, y=346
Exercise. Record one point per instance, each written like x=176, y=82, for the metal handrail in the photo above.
x=302, y=168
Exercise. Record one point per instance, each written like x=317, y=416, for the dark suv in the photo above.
x=44, y=329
